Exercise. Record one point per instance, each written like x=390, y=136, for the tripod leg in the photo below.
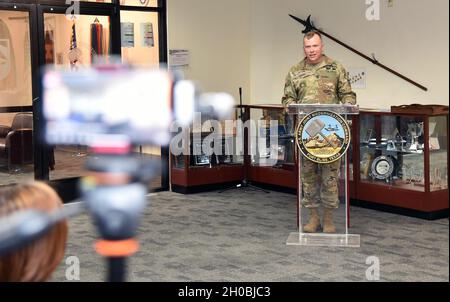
x=116, y=270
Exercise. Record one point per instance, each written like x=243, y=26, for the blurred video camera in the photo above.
x=116, y=105
x=110, y=108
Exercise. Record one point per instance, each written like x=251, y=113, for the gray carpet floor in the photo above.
x=241, y=236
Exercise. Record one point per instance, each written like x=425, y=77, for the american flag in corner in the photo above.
x=73, y=52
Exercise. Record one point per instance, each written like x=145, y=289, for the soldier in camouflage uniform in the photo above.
x=318, y=79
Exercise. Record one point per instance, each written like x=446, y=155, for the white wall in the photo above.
x=216, y=33
x=411, y=37
x=253, y=43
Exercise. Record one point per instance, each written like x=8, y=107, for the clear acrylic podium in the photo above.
x=341, y=215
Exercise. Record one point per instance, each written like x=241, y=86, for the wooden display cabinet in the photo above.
x=400, y=162
x=275, y=167
x=198, y=170
x=189, y=174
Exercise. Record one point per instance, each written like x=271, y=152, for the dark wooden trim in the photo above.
x=141, y=8
x=347, y=183
x=165, y=167
x=67, y=188
x=245, y=116
x=389, y=113
x=266, y=106
x=216, y=174
x=426, y=142
x=448, y=155
x=83, y=4
x=178, y=176
x=63, y=2
x=13, y=109
x=205, y=175
x=433, y=215
x=156, y=190
x=390, y=195
x=18, y=2
x=273, y=176
x=15, y=6
x=162, y=25
x=355, y=157
x=202, y=188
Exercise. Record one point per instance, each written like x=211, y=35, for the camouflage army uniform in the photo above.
x=325, y=83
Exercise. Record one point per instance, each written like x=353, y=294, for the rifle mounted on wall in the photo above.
x=310, y=26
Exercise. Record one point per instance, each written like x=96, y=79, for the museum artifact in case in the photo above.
x=403, y=161
x=396, y=161
x=272, y=150
x=196, y=168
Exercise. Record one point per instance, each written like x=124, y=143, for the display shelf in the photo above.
x=409, y=179
x=210, y=159
x=255, y=163
x=276, y=166
x=410, y=170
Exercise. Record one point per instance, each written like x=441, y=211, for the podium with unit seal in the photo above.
x=323, y=137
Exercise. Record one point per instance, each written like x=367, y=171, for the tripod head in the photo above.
x=114, y=193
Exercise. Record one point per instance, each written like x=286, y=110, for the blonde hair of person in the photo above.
x=37, y=260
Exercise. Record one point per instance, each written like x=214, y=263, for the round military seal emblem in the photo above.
x=323, y=136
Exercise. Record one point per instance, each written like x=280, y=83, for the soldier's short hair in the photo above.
x=311, y=34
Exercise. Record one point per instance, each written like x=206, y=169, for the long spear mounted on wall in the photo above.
x=310, y=26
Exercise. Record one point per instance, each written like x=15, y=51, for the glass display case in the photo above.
x=394, y=157
x=259, y=152
x=396, y=161
x=199, y=158
x=207, y=153
x=265, y=154
x=271, y=146
x=403, y=160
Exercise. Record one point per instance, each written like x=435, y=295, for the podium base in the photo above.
x=320, y=239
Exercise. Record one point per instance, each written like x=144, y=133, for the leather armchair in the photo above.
x=16, y=141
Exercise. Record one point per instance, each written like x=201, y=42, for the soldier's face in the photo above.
x=313, y=49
